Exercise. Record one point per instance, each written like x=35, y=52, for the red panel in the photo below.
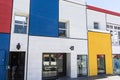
x=5, y=15
x=103, y=10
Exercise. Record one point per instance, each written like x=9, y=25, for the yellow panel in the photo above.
x=99, y=43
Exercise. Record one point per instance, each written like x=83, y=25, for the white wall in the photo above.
x=95, y=16
x=114, y=20
x=75, y=15
x=21, y=8
x=39, y=45
x=16, y=37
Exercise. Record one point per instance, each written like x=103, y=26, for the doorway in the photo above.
x=101, y=64
x=16, y=66
x=54, y=66
x=82, y=65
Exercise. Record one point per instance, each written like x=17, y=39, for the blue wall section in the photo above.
x=44, y=18
x=4, y=50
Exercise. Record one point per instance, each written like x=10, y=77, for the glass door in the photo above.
x=16, y=66
x=101, y=64
x=82, y=65
x=49, y=66
x=116, y=63
x=54, y=65
x=61, y=64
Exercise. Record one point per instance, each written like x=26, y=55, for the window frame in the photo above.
x=98, y=25
x=66, y=28
x=23, y=24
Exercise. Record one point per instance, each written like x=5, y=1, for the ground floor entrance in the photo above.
x=54, y=65
x=116, y=63
x=16, y=66
x=101, y=64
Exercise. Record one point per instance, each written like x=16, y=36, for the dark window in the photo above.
x=96, y=25
x=46, y=59
x=20, y=24
x=62, y=29
x=119, y=35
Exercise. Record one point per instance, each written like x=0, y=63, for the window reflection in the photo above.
x=82, y=65
x=116, y=64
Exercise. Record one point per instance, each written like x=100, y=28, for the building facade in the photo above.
x=50, y=39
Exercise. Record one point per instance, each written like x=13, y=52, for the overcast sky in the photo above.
x=113, y=5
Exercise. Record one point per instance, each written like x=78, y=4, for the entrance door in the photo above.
x=49, y=66
x=101, y=64
x=16, y=66
x=82, y=65
x=61, y=64
x=54, y=66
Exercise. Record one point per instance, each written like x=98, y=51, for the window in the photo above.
x=20, y=24
x=116, y=63
x=114, y=29
x=62, y=29
x=96, y=25
x=82, y=65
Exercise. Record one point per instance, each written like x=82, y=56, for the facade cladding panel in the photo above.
x=5, y=15
x=4, y=48
x=99, y=44
x=44, y=18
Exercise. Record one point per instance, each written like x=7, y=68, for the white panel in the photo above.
x=115, y=49
x=73, y=65
x=21, y=6
x=19, y=38
x=68, y=64
x=76, y=16
x=94, y=16
x=15, y=39
x=39, y=45
x=113, y=19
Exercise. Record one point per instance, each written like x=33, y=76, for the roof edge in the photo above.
x=102, y=10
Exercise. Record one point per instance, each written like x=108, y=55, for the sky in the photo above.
x=113, y=5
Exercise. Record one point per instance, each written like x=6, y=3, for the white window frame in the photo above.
x=67, y=28
x=23, y=25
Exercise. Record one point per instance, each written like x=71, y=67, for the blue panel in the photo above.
x=2, y=57
x=44, y=18
x=4, y=48
x=2, y=73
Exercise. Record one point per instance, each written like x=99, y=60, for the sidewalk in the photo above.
x=99, y=77
x=111, y=78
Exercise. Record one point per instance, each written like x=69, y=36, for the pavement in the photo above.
x=99, y=77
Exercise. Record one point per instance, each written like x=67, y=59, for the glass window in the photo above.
x=115, y=27
x=119, y=34
x=111, y=26
x=96, y=25
x=20, y=24
x=116, y=64
x=62, y=29
x=115, y=33
x=82, y=65
x=118, y=28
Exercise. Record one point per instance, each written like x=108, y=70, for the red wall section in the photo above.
x=5, y=15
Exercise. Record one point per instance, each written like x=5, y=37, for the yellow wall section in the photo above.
x=99, y=43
